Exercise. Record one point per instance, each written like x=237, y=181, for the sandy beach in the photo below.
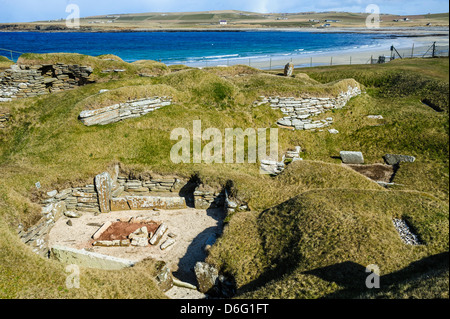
x=409, y=42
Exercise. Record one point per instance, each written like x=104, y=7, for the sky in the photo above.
x=35, y=10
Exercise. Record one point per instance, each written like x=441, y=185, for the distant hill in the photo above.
x=233, y=19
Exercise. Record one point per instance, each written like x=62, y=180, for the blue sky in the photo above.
x=33, y=10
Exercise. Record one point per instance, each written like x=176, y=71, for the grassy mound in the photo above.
x=316, y=214
x=320, y=242
x=5, y=62
x=421, y=78
x=99, y=64
x=124, y=94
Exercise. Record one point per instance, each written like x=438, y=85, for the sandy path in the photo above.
x=192, y=228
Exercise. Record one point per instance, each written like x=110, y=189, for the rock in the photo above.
x=284, y=122
x=52, y=193
x=89, y=259
x=69, y=223
x=151, y=202
x=289, y=69
x=158, y=234
x=103, y=91
x=169, y=242
x=183, y=284
x=100, y=231
x=103, y=185
x=139, y=241
x=393, y=159
x=352, y=157
x=139, y=233
x=119, y=204
x=375, y=117
x=72, y=214
x=333, y=131
x=164, y=276
x=207, y=277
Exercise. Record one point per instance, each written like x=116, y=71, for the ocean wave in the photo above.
x=220, y=56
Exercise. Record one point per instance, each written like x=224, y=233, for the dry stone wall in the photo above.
x=299, y=111
x=4, y=119
x=21, y=81
x=122, y=111
x=117, y=193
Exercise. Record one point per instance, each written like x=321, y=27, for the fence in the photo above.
x=11, y=52
x=309, y=60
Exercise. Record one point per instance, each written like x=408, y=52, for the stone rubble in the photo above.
x=394, y=159
x=274, y=168
x=299, y=111
x=122, y=111
x=405, y=232
x=4, y=118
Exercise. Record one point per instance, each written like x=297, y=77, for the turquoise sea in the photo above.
x=191, y=48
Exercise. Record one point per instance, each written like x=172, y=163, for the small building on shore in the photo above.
x=223, y=22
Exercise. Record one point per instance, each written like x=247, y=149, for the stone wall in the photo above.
x=299, y=111
x=122, y=111
x=4, y=118
x=116, y=193
x=32, y=80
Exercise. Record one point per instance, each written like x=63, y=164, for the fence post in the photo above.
x=412, y=51
x=270, y=68
x=310, y=63
x=350, y=60
x=371, y=59
x=434, y=49
x=331, y=62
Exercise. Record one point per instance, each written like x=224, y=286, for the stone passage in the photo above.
x=32, y=80
x=299, y=111
x=122, y=111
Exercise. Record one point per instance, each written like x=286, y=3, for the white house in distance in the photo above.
x=223, y=22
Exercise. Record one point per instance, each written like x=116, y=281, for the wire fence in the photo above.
x=11, y=53
x=323, y=59
x=310, y=60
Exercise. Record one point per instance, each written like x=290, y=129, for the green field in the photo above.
x=310, y=231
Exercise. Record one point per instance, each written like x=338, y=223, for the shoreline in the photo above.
x=402, y=38
x=409, y=31
x=414, y=46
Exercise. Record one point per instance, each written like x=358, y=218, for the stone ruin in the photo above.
x=299, y=111
x=122, y=111
x=21, y=81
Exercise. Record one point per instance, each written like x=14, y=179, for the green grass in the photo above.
x=316, y=214
x=319, y=243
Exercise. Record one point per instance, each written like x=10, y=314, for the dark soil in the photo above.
x=376, y=172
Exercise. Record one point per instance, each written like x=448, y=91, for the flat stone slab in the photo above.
x=151, y=202
x=350, y=157
x=88, y=259
x=393, y=159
